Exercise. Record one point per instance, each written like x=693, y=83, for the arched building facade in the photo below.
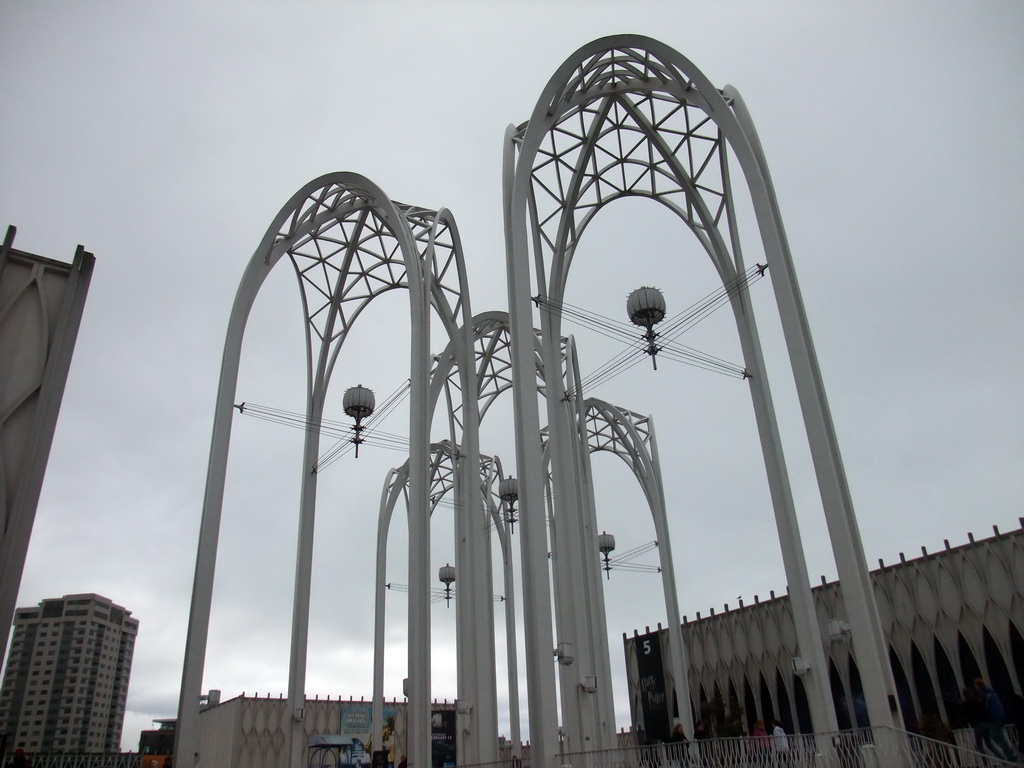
x=948, y=617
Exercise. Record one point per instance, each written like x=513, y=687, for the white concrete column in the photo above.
x=388, y=497
x=536, y=583
x=568, y=557
x=805, y=618
x=679, y=659
x=186, y=738
x=296, y=741
x=867, y=638
x=420, y=577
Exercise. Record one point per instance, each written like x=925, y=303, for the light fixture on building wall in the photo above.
x=801, y=666
x=589, y=684
x=839, y=629
x=564, y=654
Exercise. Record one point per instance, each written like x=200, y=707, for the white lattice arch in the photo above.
x=627, y=115
x=450, y=470
x=631, y=437
x=348, y=243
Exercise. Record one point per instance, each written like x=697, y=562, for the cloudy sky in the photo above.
x=165, y=137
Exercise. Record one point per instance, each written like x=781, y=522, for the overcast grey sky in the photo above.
x=165, y=137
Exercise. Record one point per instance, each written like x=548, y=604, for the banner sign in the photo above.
x=357, y=724
x=653, y=700
x=442, y=738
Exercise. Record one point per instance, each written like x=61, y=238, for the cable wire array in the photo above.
x=436, y=594
x=342, y=431
x=624, y=561
x=665, y=346
x=371, y=434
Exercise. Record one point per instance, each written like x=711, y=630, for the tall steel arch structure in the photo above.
x=627, y=115
x=477, y=710
x=348, y=243
x=450, y=472
x=588, y=713
x=632, y=438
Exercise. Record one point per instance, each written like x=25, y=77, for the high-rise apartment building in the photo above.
x=66, y=681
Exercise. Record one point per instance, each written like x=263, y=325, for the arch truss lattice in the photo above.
x=629, y=116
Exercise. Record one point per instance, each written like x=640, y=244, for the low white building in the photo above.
x=249, y=731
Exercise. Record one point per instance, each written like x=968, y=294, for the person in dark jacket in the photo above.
x=679, y=746
x=700, y=736
x=996, y=716
x=977, y=718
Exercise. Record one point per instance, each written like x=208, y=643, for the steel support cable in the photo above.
x=678, y=325
x=699, y=359
x=324, y=426
x=491, y=526
x=375, y=439
x=677, y=353
x=436, y=593
x=623, y=358
x=685, y=319
x=445, y=502
x=621, y=362
x=624, y=561
x=634, y=567
x=339, y=429
x=294, y=420
x=629, y=554
x=603, y=325
x=680, y=353
x=346, y=444
x=713, y=301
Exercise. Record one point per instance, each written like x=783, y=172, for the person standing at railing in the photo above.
x=678, y=747
x=18, y=760
x=780, y=744
x=762, y=744
x=996, y=716
x=977, y=718
x=701, y=734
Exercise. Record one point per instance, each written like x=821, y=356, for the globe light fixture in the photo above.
x=646, y=308
x=606, y=544
x=446, y=574
x=508, y=491
x=358, y=403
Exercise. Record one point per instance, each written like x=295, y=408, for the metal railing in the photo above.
x=89, y=760
x=860, y=748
